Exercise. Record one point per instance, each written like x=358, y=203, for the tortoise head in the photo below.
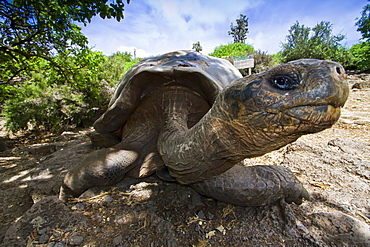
x=300, y=97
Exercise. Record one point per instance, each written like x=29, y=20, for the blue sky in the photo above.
x=154, y=27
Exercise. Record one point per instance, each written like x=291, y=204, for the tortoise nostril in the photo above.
x=339, y=71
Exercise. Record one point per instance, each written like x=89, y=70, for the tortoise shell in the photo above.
x=206, y=75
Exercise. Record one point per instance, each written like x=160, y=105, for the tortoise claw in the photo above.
x=298, y=197
x=65, y=193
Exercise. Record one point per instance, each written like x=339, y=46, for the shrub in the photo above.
x=115, y=66
x=47, y=108
x=51, y=101
x=232, y=50
x=361, y=55
x=263, y=61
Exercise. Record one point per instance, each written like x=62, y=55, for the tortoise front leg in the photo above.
x=253, y=186
x=102, y=167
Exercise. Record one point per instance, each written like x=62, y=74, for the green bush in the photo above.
x=232, y=50
x=42, y=107
x=361, y=55
x=115, y=66
x=49, y=100
x=263, y=61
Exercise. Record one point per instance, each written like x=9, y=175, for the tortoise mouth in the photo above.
x=320, y=115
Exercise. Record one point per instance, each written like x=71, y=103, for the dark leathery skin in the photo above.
x=189, y=117
x=102, y=167
x=253, y=186
x=252, y=116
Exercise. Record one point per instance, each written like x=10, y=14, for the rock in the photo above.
x=59, y=244
x=107, y=199
x=66, y=136
x=42, y=231
x=326, y=169
x=48, y=212
x=201, y=215
x=117, y=240
x=351, y=146
x=20, y=202
x=43, y=239
x=361, y=85
x=79, y=206
x=42, y=149
x=75, y=240
x=3, y=145
x=341, y=229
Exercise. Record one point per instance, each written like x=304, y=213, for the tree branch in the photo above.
x=8, y=82
x=60, y=68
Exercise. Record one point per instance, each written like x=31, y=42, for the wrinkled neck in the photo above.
x=205, y=150
x=212, y=146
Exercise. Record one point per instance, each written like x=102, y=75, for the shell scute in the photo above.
x=204, y=74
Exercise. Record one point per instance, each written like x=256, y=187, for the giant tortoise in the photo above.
x=193, y=118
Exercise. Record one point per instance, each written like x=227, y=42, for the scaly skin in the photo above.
x=253, y=116
x=166, y=131
x=253, y=186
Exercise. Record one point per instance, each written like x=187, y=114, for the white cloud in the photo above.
x=161, y=26
x=134, y=51
x=185, y=22
x=158, y=26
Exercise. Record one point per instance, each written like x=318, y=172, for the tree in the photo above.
x=197, y=47
x=45, y=28
x=45, y=102
x=239, y=32
x=364, y=23
x=361, y=51
x=50, y=78
x=49, y=104
x=298, y=38
x=317, y=42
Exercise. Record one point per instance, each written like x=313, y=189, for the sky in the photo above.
x=153, y=27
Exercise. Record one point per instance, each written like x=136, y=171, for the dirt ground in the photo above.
x=333, y=165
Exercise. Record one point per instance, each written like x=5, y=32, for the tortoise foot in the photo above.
x=296, y=194
x=100, y=168
x=254, y=186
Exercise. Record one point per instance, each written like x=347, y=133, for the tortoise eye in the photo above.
x=284, y=82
